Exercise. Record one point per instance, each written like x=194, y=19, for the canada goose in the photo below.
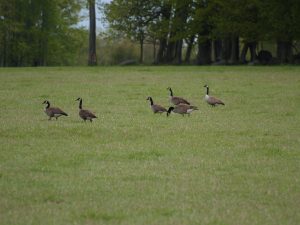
x=84, y=113
x=177, y=100
x=182, y=109
x=53, y=111
x=210, y=99
x=156, y=108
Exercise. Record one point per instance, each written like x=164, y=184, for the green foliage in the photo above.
x=281, y=19
x=39, y=32
x=114, y=52
x=131, y=17
x=238, y=164
x=238, y=18
x=45, y=32
x=176, y=20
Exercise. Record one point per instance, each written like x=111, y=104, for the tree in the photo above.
x=38, y=32
x=217, y=26
x=92, y=61
x=281, y=24
x=132, y=18
x=202, y=26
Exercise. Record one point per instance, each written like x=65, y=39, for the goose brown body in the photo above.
x=84, y=113
x=213, y=101
x=156, y=108
x=176, y=100
x=53, y=111
x=182, y=109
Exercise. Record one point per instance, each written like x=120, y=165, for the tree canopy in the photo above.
x=39, y=32
x=46, y=32
x=211, y=24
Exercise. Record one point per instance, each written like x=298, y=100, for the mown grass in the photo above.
x=238, y=164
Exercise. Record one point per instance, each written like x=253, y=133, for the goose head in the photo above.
x=207, y=90
x=171, y=92
x=78, y=99
x=170, y=110
x=46, y=102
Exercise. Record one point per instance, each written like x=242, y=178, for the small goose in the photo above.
x=210, y=99
x=182, y=109
x=156, y=108
x=84, y=113
x=53, y=111
x=176, y=100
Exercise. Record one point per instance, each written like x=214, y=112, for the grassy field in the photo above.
x=238, y=164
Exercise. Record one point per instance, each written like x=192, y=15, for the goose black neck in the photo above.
x=170, y=110
x=207, y=90
x=151, y=101
x=48, y=105
x=80, y=104
x=171, y=92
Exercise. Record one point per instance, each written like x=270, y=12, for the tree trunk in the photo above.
x=161, y=50
x=178, y=53
x=204, y=52
x=217, y=50
x=141, y=51
x=92, y=60
x=170, y=51
x=252, y=47
x=165, y=14
x=226, y=50
x=244, y=51
x=189, y=49
x=44, y=35
x=234, y=56
x=284, y=51
x=4, y=53
x=154, y=50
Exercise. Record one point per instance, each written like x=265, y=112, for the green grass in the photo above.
x=238, y=164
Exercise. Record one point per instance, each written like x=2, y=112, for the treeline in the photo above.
x=46, y=32
x=222, y=31
x=40, y=32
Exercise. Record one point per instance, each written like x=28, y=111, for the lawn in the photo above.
x=234, y=164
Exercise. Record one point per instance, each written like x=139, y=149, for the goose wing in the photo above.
x=212, y=100
x=158, y=108
x=181, y=108
x=84, y=113
x=179, y=100
x=56, y=110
